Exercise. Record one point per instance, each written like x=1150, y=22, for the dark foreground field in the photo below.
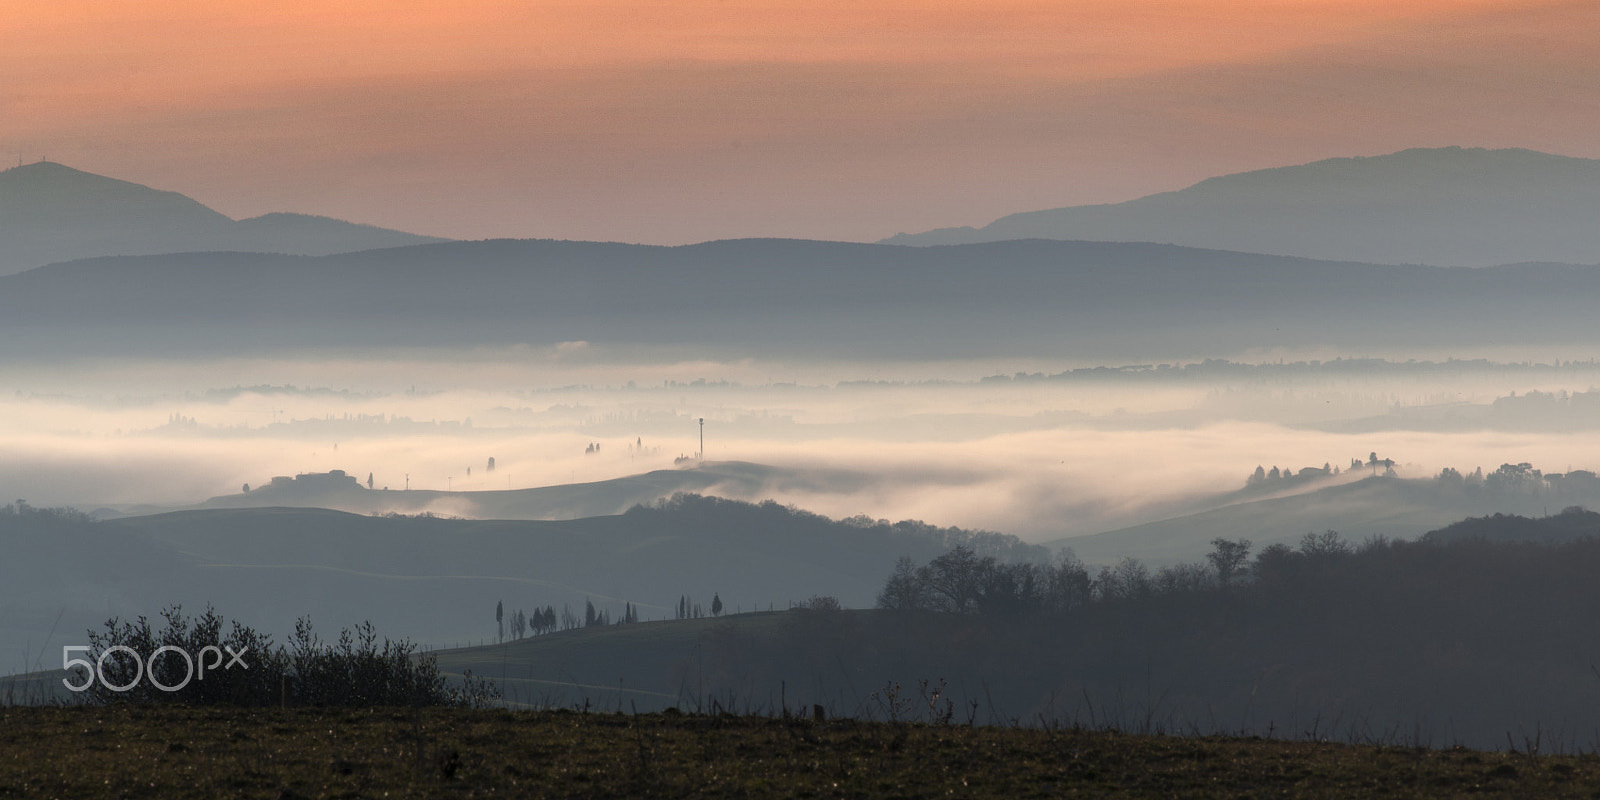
x=182, y=753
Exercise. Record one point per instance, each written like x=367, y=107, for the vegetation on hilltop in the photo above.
x=134, y=663
x=1449, y=639
x=1572, y=524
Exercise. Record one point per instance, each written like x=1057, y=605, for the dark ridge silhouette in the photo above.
x=1572, y=524
x=782, y=296
x=50, y=212
x=435, y=579
x=1448, y=206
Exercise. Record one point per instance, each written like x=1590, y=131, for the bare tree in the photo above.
x=1324, y=545
x=955, y=580
x=1228, y=557
x=904, y=589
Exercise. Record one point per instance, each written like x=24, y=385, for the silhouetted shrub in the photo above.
x=200, y=665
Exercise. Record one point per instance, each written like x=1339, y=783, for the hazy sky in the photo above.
x=698, y=119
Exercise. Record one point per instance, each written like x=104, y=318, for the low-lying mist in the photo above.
x=1035, y=449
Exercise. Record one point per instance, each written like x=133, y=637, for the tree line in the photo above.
x=545, y=620
x=962, y=582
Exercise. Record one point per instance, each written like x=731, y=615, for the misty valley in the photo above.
x=1115, y=484
x=1042, y=545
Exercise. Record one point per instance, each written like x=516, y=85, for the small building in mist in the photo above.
x=332, y=480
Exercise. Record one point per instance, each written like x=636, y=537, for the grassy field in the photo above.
x=313, y=753
x=646, y=666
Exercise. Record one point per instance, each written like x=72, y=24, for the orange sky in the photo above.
x=694, y=119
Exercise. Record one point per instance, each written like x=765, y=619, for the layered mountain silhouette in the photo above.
x=50, y=213
x=1448, y=206
x=1107, y=301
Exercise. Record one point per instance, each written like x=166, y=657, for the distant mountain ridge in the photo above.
x=1448, y=206
x=783, y=297
x=50, y=213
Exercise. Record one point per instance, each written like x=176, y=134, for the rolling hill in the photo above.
x=732, y=479
x=433, y=579
x=1573, y=523
x=1466, y=643
x=50, y=213
x=1396, y=508
x=1447, y=206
